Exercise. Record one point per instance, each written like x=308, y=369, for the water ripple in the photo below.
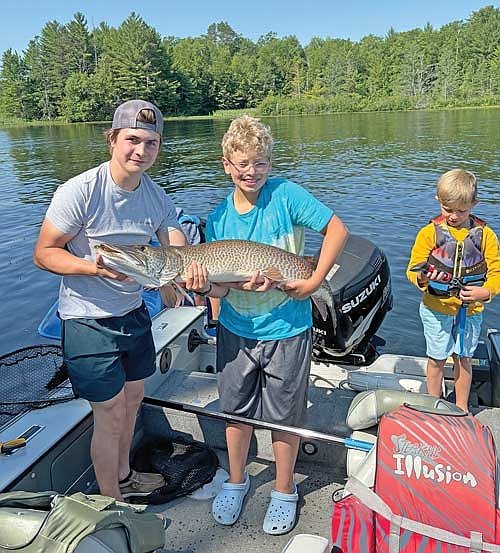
x=377, y=171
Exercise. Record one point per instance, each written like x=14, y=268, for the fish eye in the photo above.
x=143, y=248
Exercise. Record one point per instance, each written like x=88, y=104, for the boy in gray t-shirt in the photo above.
x=107, y=341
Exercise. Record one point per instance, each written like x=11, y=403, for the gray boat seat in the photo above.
x=19, y=526
x=106, y=540
x=307, y=543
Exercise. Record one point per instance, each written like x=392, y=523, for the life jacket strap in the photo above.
x=456, y=284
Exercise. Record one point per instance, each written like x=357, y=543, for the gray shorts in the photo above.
x=264, y=380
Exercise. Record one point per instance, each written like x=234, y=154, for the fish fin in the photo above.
x=182, y=295
x=273, y=274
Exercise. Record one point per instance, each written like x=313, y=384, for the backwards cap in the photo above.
x=126, y=114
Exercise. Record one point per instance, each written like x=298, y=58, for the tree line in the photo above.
x=72, y=73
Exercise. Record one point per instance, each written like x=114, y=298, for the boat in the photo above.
x=181, y=404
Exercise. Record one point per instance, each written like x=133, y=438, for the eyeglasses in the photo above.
x=244, y=167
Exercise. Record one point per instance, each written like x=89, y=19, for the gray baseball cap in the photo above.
x=126, y=114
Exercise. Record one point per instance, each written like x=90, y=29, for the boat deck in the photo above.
x=192, y=529
x=186, y=378
x=191, y=525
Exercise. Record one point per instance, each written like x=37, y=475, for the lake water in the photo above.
x=378, y=171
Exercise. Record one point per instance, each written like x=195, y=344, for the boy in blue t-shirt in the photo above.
x=264, y=336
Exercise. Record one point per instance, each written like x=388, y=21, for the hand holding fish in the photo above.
x=427, y=271
x=257, y=283
x=300, y=289
x=197, y=278
x=107, y=272
x=438, y=276
x=198, y=281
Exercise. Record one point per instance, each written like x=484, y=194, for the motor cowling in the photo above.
x=361, y=285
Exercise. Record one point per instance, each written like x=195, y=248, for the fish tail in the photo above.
x=325, y=302
x=321, y=307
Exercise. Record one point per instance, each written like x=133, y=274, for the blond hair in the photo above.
x=457, y=188
x=247, y=134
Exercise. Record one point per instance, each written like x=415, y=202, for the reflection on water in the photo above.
x=377, y=171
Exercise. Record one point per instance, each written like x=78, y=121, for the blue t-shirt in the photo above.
x=282, y=212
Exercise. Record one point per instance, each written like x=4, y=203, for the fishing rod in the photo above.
x=351, y=443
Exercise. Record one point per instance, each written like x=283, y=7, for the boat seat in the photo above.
x=19, y=526
x=306, y=542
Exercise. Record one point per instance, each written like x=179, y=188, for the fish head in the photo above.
x=148, y=265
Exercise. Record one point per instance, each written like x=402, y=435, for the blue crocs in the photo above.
x=280, y=515
x=226, y=507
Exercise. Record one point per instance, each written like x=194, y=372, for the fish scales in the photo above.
x=230, y=260
x=225, y=260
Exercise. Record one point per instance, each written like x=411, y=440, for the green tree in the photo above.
x=281, y=65
x=34, y=92
x=12, y=86
x=54, y=59
x=449, y=70
x=373, y=53
x=79, y=53
x=192, y=58
x=133, y=60
x=483, y=34
x=81, y=100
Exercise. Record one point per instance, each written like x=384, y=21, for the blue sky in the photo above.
x=22, y=20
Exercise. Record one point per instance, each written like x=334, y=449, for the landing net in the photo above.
x=31, y=378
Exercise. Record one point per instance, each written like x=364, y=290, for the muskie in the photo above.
x=225, y=260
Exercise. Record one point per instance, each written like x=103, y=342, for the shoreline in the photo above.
x=230, y=114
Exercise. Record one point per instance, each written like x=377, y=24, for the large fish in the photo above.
x=225, y=260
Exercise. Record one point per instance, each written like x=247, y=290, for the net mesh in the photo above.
x=31, y=378
x=186, y=467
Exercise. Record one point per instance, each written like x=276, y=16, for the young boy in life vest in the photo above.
x=455, y=261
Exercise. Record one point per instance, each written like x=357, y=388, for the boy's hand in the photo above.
x=474, y=293
x=434, y=274
x=197, y=281
x=197, y=278
x=299, y=289
x=257, y=283
x=103, y=270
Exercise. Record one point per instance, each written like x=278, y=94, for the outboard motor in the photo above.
x=361, y=285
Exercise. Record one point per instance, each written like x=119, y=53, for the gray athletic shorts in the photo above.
x=264, y=380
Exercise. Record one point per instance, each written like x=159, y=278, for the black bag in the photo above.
x=185, y=467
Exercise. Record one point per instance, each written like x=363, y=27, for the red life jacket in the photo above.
x=435, y=489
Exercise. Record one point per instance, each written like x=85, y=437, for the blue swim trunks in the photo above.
x=102, y=354
x=442, y=336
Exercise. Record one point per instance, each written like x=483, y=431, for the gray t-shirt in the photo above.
x=94, y=209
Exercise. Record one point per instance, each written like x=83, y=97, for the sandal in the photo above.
x=280, y=516
x=226, y=507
